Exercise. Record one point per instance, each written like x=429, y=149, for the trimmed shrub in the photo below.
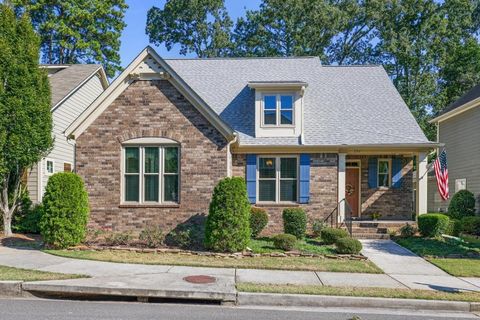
x=118, y=238
x=152, y=236
x=227, y=228
x=454, y=227
x=27, y=217
x=295, y=222
x=284, y=241
x=318, y=226
x=348, y=246
x=470, y=225
x=408, y=231
x=331, y=235
x=462, y=205
x=433, y=224
x=65, y=211
x=258, y=220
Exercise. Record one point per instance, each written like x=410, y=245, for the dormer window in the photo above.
x=278, y=109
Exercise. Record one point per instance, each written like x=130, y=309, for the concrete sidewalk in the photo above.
x=411, y=270
x=108, y=278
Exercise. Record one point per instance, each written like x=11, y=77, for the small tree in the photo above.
x=462, y=205
x=65, y=210
x=227, y=227
x=25, y=118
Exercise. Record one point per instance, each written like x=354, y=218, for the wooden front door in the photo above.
x=352, y=189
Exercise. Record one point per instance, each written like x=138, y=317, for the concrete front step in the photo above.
x=378, y=236
x=370, y=230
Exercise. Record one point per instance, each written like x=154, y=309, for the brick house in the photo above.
x=332, y=140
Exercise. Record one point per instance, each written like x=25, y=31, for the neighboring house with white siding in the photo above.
x=74, y=88
x=458, y=127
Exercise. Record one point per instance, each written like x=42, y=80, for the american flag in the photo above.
x=441, y=173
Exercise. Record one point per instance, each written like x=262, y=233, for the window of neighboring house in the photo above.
x=67, y=167
x=277, y=179
x=278, y=110
x=49, y=166
x=151, y=174
x=384, y=172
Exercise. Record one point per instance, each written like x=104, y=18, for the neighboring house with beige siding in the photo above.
x=74, y=88
x=458, y=127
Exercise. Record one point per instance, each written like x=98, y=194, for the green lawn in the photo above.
x=437, y=250
x=265, y=245
x=9, y=273
x=359, y=292
x=262, y=262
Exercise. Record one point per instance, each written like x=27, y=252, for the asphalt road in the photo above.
x=20, y=309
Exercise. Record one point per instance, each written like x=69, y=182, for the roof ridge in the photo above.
x=244, y=58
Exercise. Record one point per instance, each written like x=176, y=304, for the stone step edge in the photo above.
x=320, y=301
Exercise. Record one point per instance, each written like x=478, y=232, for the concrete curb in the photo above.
x=11, y=289
x=303, y=300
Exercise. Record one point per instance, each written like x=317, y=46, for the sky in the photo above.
x=135, y=40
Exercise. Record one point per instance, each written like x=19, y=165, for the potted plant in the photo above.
x=376, y=216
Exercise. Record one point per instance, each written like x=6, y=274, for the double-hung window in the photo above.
x=277, y=179
x=151, y=174
x=384, y=172
x=278, y=110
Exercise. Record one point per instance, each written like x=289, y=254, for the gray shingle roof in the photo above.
x=353, y=105
x=68, y=78
x=470, y=95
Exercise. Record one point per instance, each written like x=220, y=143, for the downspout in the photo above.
x=229, y=154
x=74, y=144
x=302, y=135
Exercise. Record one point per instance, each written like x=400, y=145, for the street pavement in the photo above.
x=27, y=309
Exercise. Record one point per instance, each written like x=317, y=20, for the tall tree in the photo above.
x=25, y=117
x=202, y=27
x=74, y=31
x=410, y=34
x=286, y=28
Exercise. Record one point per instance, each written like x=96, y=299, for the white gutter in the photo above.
x=229, y=155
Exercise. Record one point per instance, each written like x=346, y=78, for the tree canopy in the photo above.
x=25, y=117
x=429, y=48
x=74, y=31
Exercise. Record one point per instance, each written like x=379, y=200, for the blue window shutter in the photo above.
x=252, y=177
x=396, y=173
x=372, y=172
x=304, y=178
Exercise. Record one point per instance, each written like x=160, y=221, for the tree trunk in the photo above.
x=7, y=225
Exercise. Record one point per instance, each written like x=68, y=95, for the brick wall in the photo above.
x=323, y=189
x=391, y=203
x=150, y=109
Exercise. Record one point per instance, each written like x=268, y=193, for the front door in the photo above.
x=352, y=190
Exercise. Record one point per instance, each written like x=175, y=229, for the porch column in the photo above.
x=422, y=183
x=341, y=186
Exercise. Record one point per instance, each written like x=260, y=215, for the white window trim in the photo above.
x=277, y=109
x=277, y=179
x=46, y=166
x=389, y=172
x=141, y=175
x=71, y=166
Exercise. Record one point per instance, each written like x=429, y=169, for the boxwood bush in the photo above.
x=227, y=227
x=65, y=211
x=331, y=235
x=258, y=220
x=348, y=245
x=433, y=224
x=462, y=205
x=284, y=241
x=470, y=225
x=295, y=222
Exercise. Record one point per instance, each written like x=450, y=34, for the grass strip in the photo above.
x=262, y=262
x=18, y=274
x=359, y=292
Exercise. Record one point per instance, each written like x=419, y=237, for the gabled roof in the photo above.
x=343, y=106
x=148, y=62
x=354, y=105
x=470, y=99
x=65, y=79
